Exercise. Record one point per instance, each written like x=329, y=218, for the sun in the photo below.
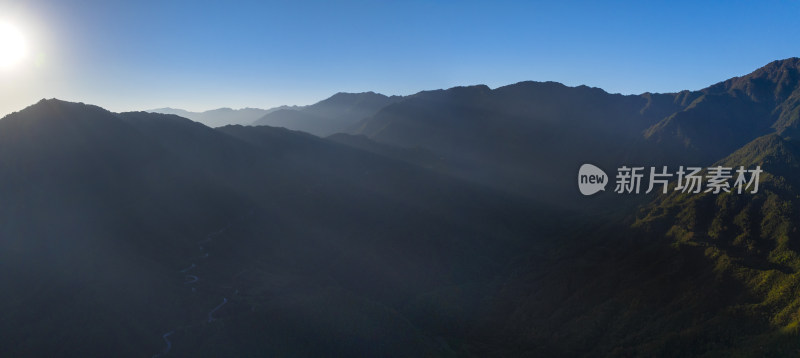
x=12, y=45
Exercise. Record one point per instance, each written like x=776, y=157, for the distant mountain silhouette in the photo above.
x=510, y=136
x=221, y=116
x=333, y=115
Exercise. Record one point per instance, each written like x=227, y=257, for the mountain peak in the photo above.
x=55, y=109
x=479, y=88
x=773, y=83
x=349, y=98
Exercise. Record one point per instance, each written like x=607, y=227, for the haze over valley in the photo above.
x=399, y=179
x=445, y=223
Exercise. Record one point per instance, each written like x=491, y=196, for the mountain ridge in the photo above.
x=438, y=229
x=332, y=115
x=509, y=128
x=220, y=116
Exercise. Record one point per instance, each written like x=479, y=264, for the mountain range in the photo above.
x=221, y=116
x=444, y=223
x=336, y=114
x=330, y=116
x=510, y=136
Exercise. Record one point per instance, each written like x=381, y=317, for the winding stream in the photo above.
x=169, y=344
x=191, y=279
x=210, y=314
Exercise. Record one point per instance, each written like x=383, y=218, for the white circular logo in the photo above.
x=591, y=179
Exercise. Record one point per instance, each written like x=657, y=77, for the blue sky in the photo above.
x=200, y=55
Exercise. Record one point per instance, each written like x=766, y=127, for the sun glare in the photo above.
x=12, y=46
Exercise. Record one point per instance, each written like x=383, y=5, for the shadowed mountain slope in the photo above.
x=316, y=246
x=528, y=137
x=687, y=275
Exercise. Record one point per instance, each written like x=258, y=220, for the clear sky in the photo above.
x=198, y=55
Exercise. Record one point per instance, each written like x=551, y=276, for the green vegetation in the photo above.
x=751, y=239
